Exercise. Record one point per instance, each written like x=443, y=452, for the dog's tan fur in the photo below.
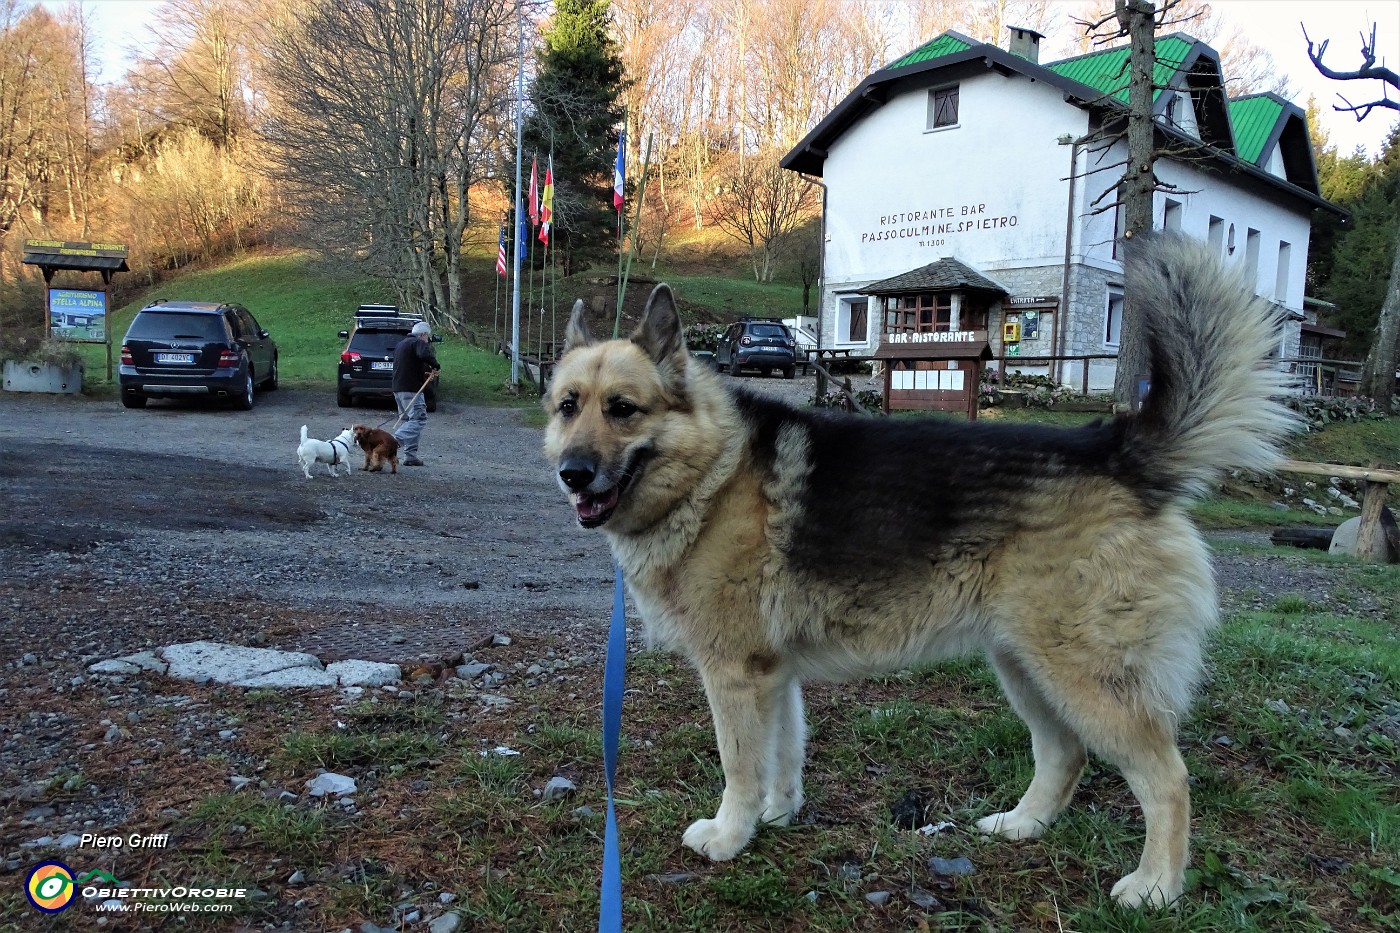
x=1088, y=589
x=380, y=447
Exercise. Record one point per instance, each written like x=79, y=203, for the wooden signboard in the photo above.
x=934, y=371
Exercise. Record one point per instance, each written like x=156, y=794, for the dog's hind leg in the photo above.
x=1130, y=724
x=1144, y=750
x=1058, y=752
x=744, y=699
x=788, y=738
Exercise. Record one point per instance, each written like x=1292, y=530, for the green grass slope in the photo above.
x=305, y=310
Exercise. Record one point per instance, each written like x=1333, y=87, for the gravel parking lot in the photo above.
x=179, y=502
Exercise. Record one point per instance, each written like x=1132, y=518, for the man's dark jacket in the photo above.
x=413, y=360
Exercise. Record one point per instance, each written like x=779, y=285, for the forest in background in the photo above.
x=381, y=134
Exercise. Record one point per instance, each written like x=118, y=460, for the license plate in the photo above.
x=381, y=364
x=174, y=357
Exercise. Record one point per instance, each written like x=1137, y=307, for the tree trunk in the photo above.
x=1136, y=18
x=1378, y=380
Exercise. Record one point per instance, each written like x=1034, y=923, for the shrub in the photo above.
x=1036, y=391
x=1320, y=410
x=869, y=399
x=703, y=337
x=40, y=350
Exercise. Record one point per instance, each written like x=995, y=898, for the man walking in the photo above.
x=414, y=364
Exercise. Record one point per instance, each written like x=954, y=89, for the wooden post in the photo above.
x=975, y=395
x=1371, y=545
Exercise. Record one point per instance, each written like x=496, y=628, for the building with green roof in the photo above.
x=982, y=156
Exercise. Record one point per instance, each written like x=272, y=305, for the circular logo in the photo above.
x=49, y=886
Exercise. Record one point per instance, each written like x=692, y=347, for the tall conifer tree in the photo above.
x=576, y=115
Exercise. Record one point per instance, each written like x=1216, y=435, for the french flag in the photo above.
x=620, y=170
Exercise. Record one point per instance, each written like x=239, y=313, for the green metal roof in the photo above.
x=935, y=48
x=1107, y=71
x=1253, y=119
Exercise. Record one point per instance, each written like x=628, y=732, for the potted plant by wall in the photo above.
x=35, y=364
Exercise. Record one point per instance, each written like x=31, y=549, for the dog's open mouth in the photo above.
x=596, y=508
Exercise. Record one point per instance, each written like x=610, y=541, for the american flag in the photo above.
x=501, y=254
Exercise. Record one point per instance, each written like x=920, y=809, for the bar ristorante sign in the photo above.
x=931, y=226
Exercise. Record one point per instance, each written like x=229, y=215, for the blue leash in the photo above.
x=610, y=903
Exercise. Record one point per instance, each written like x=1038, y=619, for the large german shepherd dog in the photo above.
x=772, y=545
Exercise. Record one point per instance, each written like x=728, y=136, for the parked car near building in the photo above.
x=759, y=344
x=366, y=367
x=196, y=349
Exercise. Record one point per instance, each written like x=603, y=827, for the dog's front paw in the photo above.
x=715, y=840
x=1143, y=890
x=1011, y=825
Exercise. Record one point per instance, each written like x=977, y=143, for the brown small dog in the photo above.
x=380, y=447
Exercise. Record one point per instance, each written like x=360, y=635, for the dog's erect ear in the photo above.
x=659, y=334
x=576, y=334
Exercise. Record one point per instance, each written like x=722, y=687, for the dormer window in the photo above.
x=1180, y=112
x=943, y=107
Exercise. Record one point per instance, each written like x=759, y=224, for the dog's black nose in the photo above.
x=576, y=473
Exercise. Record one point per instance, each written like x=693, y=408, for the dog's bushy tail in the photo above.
x=1214, y=402
x=303, y=434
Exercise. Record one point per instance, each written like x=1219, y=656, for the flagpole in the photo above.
x=519, y=132
x=621, y=203
x=496, y=318
x=636, y=222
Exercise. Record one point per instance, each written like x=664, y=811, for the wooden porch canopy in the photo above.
x=944, y=275
x=56, y=255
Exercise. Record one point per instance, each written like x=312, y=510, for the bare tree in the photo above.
x=1378, y=376
x=986, y=20
x=195, y=73
x=384, y=114
x=40, y=111
x=1137, y=20
x=1248, y=68
x=762, y=205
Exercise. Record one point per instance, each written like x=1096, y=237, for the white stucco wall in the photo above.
x=1277, y=218
x=987, y=191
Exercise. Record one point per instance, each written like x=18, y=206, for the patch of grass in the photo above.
x=369, y=891
x=304, y=309
x=758, y=889
x=1357, y=442
x=283, y=829
x=494, y=773
x=332, y=750
x=1223, y=512
x=728, y=299
x=386, y=715
x=568, y=743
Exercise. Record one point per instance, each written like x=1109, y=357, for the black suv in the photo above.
x=367, y=363
x=196, y=349
x=760, y=344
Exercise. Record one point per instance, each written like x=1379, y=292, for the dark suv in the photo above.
x=196, y=349
x=367, y=363
x=765, y=345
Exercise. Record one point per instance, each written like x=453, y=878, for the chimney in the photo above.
x=1025, y=43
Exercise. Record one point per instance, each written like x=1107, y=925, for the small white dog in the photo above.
x=333, y=453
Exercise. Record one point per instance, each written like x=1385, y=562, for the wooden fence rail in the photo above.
x=1375, y=535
